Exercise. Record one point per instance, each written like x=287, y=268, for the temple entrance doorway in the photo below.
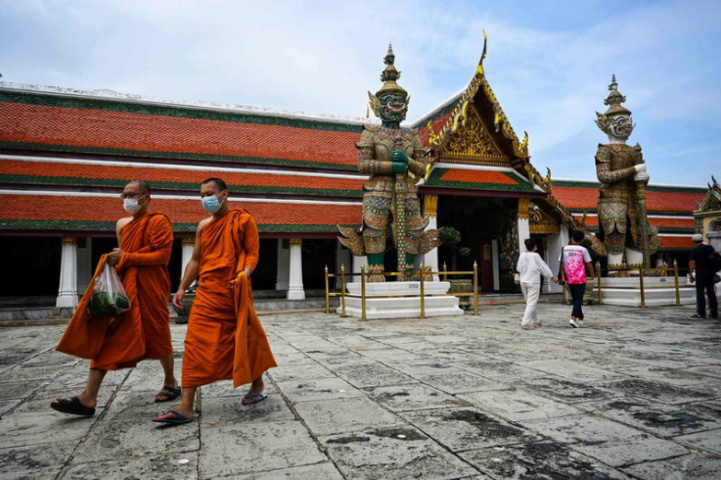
x=487, y=227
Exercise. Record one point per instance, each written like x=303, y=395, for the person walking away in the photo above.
x=530, y=267
x=225, y=340
x=145, y=239
x=576, y=259
x=701, y=260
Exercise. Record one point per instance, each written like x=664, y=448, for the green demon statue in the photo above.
x=394, y=159
x=623, y=224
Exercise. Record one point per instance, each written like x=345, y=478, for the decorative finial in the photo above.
x=479, y=69
x=390, y=56
x=614, y=85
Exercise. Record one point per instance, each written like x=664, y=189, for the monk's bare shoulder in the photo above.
x=122, y=223
x=203, y=223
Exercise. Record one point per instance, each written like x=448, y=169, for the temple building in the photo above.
x=65, y=156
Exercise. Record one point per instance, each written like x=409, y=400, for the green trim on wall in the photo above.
x=175, y=155
x=41, y=225
x=113, y=182
x=190, y=111
x=650, y=188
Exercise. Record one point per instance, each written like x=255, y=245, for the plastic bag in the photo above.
x=109, y=298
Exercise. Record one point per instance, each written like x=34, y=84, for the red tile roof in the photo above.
x=575, y=198
x=86, y=129
x=676, y=242
x=684, y=222
x=181, y=211
x=59, y=172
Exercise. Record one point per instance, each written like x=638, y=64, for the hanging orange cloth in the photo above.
x=225, y=339
x=144, y=330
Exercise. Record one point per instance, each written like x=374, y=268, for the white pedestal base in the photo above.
x=402, y=306
x=659, y=291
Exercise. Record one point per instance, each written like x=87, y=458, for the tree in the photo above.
x=452, y=237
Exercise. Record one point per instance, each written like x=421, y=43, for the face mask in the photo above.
x=211, y=204
x=131, y=205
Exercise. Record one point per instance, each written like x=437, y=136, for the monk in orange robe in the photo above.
x=225, y=339
x=146, y=240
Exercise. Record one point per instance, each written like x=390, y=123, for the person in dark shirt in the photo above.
x=700, y=260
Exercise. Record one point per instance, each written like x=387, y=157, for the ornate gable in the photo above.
x=712, y=201
x=473, y=141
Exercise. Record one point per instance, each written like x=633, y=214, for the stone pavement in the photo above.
x=633, y=394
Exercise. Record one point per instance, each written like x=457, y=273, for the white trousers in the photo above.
x=531, y=292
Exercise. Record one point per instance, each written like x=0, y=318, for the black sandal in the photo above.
x=167, y=394
x=72, y=406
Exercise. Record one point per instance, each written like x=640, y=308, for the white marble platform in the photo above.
x=659, y=291
x=407, y=304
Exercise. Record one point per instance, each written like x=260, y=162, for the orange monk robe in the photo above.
x=225, y=339
x=144, y=330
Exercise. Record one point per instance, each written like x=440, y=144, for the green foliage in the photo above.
x=464, y=251
x=450, y=236
x=107, y=304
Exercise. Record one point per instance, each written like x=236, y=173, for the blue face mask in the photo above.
x=211, y=204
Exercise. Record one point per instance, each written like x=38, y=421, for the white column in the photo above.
x=85, y=267
x=357, y=262
x=342, y=257
x=295, y=275
x=282, y=271
x=524, y=227
x=186, y=253
x=430, y=211
x=494, y=262
x=68, y=290
x=555, y=244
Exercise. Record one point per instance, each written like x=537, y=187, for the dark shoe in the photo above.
x=715, y=317
x=178, y=420
x=698, y=315
x=167, y=394
x=253, y=398
x=72, y=406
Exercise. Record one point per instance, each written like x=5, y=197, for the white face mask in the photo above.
x=131, y=205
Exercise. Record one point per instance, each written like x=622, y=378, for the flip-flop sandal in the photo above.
x=260, y=397
x=167, y=394
x=72, y=406
x=179, y=420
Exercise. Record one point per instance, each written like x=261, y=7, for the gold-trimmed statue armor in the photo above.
x=395, y=160
x=623, y=224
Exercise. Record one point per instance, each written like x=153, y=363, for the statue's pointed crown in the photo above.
x=615, y=99
x=389, y=76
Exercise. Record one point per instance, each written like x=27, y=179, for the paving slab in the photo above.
x=687, y=467
x=573, y=370
x=460, y=381
x=608, y=441
x=320, y=471
x=399, y=453
x=659, y=391
x=518, y=405
x=401, y=398
x=20, y=429
x=29, y=459
x=285, y=373
x=660, y=419
x=372, y=374
x=467, y=428
x=242, y=448
x=709, y=441
x=162, y=467
x=539, y=461
x=344, y=415
x=231, y=410
x=318, y=389
x=566, y=391
x=114, y=440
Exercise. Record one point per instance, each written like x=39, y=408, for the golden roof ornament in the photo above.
x=615, y=99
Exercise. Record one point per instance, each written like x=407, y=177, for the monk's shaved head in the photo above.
x=142, y=185
x=219, y=183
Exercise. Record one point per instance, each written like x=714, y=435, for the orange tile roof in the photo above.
x=676, y=242
x=86, y=128
x=662, y=201
x=686, y=223
x=108, y=209
x=477, y=176
x=168, y=178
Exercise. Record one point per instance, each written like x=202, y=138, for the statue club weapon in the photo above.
x=642, y=216
x=399, y=212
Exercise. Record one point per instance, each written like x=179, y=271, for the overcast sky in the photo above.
x=549, y=62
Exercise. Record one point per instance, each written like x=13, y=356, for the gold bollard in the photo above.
x=643, y=292
x=363, y=293
x=423, y=293
x=342, y=291
x=475, y=288
x=598, y=276
x=675, y=279
x=327, y=294
x=445, y=275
